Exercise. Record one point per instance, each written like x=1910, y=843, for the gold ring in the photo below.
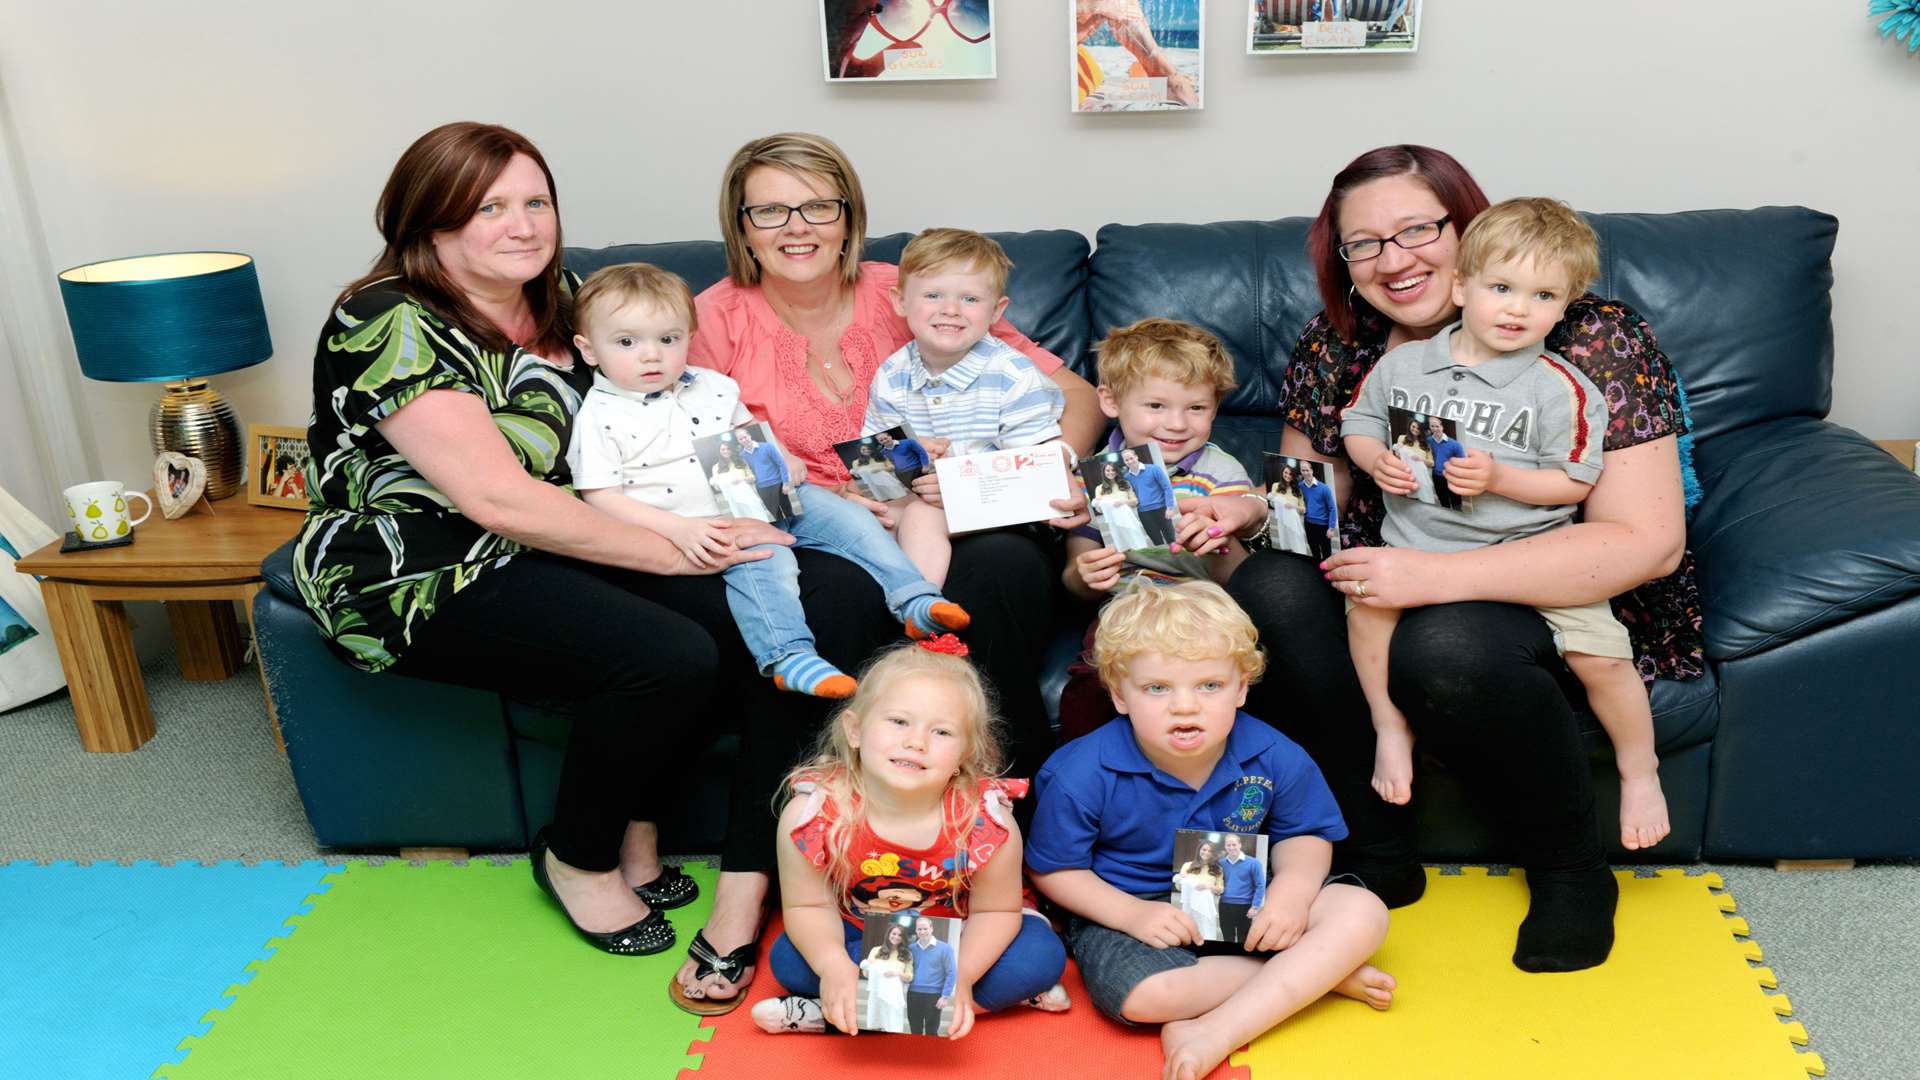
x=1359, y=588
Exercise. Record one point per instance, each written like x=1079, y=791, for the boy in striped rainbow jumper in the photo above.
x=962, y=390
x=1162, y=382
x=1531, y=424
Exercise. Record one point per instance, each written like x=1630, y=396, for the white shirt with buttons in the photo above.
x=643, y=443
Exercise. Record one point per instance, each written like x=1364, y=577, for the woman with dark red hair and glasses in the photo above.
x=1474, y=667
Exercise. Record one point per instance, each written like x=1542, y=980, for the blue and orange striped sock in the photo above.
x=806, y=673
x=931, y=615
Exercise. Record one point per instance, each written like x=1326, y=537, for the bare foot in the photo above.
x=735, y=921
x=601, y=903
x=1393, y=763
x=1368, y=984
x=1192, y=1049
x=1643, y=811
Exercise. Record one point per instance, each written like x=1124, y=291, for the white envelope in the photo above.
x=1002, y=487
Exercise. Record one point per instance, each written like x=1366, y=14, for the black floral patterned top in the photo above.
x=382, y=547
x=1615, y=347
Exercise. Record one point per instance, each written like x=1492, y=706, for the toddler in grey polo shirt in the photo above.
x=1532, y=425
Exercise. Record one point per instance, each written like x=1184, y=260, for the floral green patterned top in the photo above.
x=1609, y=342
x=382, y=547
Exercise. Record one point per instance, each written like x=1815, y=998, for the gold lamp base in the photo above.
x=193, y=419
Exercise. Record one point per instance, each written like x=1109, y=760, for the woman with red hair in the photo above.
x=1474, y=667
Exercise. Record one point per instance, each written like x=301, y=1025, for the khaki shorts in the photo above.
x=1589, y=628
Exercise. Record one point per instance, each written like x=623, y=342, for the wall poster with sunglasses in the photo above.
x=1136, y=55
x=1349, y=27
x=864, y=40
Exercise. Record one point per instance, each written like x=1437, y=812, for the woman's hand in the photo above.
x=837, y=988
x=1392, y=474
x=1386, y=577
x=1100, y=568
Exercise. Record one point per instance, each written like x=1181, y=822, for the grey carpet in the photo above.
x=211, y=786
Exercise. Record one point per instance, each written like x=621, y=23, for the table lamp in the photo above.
x=177, y=319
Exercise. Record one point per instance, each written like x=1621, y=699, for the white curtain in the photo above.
x=43, y=445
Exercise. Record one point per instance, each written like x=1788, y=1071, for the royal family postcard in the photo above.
x=748, y=473
x=909, y=966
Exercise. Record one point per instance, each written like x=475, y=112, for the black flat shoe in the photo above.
x=652, y=934
x=672, y=889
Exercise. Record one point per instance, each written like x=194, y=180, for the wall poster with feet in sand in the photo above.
x=1136, y=55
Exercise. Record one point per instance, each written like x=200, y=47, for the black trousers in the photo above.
x=923, y=1013
x=1318, y=541
x=633, y=673
x=1158, y=525
x=1235, y=922
x=771, y=494
x=1481, y=685
x=1448, y=500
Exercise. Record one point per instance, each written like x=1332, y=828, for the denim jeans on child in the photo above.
x=1031, y=965
x=764, y=596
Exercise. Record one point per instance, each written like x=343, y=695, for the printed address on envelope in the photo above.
x=1002, y=487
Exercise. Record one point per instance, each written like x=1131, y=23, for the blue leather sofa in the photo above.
x=1801, y=741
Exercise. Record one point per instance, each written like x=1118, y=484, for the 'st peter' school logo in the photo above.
x=1254, y=792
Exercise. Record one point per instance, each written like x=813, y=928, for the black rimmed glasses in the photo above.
x=1413, y=236
x=774, y=215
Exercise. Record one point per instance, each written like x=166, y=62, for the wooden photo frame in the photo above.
x=277, y=460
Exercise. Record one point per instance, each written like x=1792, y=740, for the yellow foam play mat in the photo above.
x=1683, y=995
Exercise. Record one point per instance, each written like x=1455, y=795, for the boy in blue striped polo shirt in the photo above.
x=955, y=385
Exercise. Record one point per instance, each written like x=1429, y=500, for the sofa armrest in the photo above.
x=1804, y=524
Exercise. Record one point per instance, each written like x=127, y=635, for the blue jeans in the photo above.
x=1033, y=962
x=764, y=596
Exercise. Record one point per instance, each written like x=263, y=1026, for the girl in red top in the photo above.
x=901, y=808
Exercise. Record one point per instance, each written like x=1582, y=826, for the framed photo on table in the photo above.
x=277, y=460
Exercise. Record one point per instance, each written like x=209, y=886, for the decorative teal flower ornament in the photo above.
x=1902, y=22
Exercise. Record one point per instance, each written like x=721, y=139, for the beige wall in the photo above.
x=251, y=126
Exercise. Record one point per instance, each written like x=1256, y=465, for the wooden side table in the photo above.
x=1901, y=449
x=198, y=564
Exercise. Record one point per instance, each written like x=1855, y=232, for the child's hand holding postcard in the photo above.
x=1002, y=487
x=1134, y=506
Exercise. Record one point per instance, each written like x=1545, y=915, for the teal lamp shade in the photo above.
x=157, y=318
x=177, y=319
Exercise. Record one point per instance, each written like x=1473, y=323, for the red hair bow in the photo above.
x=945, y=643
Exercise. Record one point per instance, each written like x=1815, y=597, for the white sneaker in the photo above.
x=779, y=1015
x=1054, y=1000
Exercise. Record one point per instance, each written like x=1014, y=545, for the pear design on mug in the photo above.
x=99, y=531
x=121, y=528
x=93, y=509
x=119, y=504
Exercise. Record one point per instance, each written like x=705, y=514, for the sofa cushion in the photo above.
x=1246, y=281
x=1047, y=288
x=1804, y=524
x=1739, y=301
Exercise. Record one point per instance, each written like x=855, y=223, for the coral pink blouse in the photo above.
x=742, y=338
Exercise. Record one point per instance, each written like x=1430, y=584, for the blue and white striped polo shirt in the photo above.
x=995, y=398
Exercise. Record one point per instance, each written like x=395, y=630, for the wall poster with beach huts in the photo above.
x=894, y=40
x=1303, y=27
x=1136, y=55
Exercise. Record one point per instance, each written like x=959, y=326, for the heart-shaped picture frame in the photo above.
x=178, y=483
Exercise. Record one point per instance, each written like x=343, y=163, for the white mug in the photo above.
x=99, y=510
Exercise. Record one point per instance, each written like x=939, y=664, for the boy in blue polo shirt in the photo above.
x=1178, y=660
